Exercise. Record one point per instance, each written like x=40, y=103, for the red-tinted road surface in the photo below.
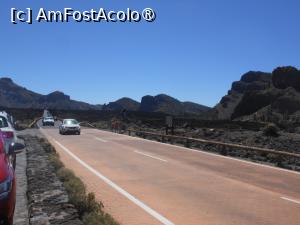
x=142, y=182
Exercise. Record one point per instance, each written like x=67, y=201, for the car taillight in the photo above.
x=8, y=134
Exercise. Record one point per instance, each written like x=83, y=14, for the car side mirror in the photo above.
x=16, y=148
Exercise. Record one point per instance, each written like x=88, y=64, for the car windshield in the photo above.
x=49, y=118
x=70, y=122
x=3, y=122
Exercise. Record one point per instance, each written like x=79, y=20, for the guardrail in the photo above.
x=34, y=122
x=85, y=123
x=188, y=141
x=221, y=145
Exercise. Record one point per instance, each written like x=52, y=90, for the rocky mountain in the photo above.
x=167, y=104
x=123, y=103
x=15, y=96
x=262, y=96
x=194, y=108
x=159, y=103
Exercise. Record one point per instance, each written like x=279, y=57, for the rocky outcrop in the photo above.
x=250, y=82
x=284, y=77
x=169, y=105
x=160, y=103
x=260, y=95
x=123, y=103
x=56, y=96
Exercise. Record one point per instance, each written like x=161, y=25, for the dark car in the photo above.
x=7, y=181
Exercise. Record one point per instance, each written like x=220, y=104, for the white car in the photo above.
x=69, y=126
x=48, y=121
x=9, y=134
x=7, y=128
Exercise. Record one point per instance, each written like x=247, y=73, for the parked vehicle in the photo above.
x=69, y=126
x=48, y=121
x=7, y=181
x=7, y=128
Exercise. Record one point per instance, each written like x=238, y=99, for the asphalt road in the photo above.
x=143, y=182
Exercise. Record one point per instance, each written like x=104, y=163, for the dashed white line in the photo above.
x=204, y=152
x=133, y=199
x=100, y=139
x=153, y=157
x=290, y=200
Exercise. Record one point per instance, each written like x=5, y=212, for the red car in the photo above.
x=7, y=181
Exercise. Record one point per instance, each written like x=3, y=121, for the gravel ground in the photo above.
x=47, y=198
x=285, y=141
x=41, y=197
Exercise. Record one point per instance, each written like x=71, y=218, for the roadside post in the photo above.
x=169, y=125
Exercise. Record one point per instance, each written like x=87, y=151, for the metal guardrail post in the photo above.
x=279, y=161
x=171, y=140
x=34, y=122
x=187, y=143
x=223, y=150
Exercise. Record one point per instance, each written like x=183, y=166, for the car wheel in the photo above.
x=8, y=221
x=78, y=133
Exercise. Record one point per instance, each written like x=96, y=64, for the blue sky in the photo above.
x=193, y=51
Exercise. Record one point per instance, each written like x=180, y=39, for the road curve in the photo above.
x=145, y=182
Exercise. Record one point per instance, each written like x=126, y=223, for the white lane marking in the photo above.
x=100, y=139
x=206, y=153
x=153, y=157
x=290, y=200
x=133, y=199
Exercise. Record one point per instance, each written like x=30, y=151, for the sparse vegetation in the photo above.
x=98, y=219
x=89, y=209
x=271, y=130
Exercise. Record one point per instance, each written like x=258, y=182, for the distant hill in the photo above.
x=262, y=96
x=123, y=103
x=15, y=96
x=167, y=104
x=160, y=103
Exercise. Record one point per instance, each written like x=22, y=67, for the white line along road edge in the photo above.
x=290, y=200
x=142, y=205
x=153, y=157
